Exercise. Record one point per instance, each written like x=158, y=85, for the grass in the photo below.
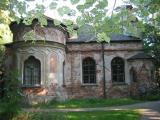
x=96, y=115
x=86, y=103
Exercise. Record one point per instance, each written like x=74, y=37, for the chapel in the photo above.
x=52, y=65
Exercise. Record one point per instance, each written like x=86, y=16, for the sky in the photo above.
x=54, y=14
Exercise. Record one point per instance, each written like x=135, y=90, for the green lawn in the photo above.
x=85, y=103
x=96, y=115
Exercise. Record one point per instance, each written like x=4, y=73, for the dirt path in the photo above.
x=148, y=110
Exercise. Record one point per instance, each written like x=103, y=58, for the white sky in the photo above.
x=53, y=14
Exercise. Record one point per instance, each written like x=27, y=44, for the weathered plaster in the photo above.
x=74, y=65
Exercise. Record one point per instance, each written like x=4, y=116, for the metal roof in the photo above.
x=141, y=55
x=114, y=38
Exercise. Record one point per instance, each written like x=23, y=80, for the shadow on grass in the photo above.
x=96, y=115
x=86, y=103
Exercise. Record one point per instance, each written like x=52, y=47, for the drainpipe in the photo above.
x=104, y=76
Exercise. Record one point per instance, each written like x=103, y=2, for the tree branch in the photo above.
x=113, y=7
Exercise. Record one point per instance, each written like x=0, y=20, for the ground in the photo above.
x=89, y=115
x=137, y=111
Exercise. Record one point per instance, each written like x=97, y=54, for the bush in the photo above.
x=151, y=94
x=23, y=116
x=151, y=97
x=10, y=103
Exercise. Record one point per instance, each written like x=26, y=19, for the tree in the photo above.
x=92, y=12
x=149, y=13
x=151, y=38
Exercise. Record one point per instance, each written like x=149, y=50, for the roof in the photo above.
x=114, y=38
x=141, y=55
x=120, y=37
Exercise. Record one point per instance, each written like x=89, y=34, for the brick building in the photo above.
x=57, y=66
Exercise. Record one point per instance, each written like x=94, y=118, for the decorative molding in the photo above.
x=43, y=54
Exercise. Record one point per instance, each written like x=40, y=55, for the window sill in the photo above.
x=95, y=84
x=27, y=86
x=119, y=83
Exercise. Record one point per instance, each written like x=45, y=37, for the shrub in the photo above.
x=151, y=94
x=10, y=103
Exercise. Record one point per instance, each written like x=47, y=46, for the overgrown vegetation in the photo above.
x=152, y=45
x=10, y=93
x=148, y=12
x=10, y=103
x=91, y=12
x=96, y=115
x=151, y=95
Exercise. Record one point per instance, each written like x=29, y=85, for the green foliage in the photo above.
x=151, y=95
x=57, y=22
x=67, y=22
x=149, y=13
x=5, y=33
x=10, y=103
x=102, y=4
x=103, y=37
x=147, y=10
x=63, y=10
x=80, y=21
x=23, y=116
x=92, y=12
x=74, y=1
x=53, y=5
x=96, y=115
x=29, y=35
x=3, y=4
x=151, y=38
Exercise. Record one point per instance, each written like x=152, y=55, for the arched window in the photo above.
x=89, y=71
x=118, y=72
x=32, y=72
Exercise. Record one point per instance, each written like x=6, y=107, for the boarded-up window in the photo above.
x=89, y=71
x=118, y=72
x=133, y=76
x=32, y=72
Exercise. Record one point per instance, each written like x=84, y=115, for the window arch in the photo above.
x=118, y=72
x=89, y=71
x=32, y=72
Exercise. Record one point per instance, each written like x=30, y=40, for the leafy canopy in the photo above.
x=92, y=12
